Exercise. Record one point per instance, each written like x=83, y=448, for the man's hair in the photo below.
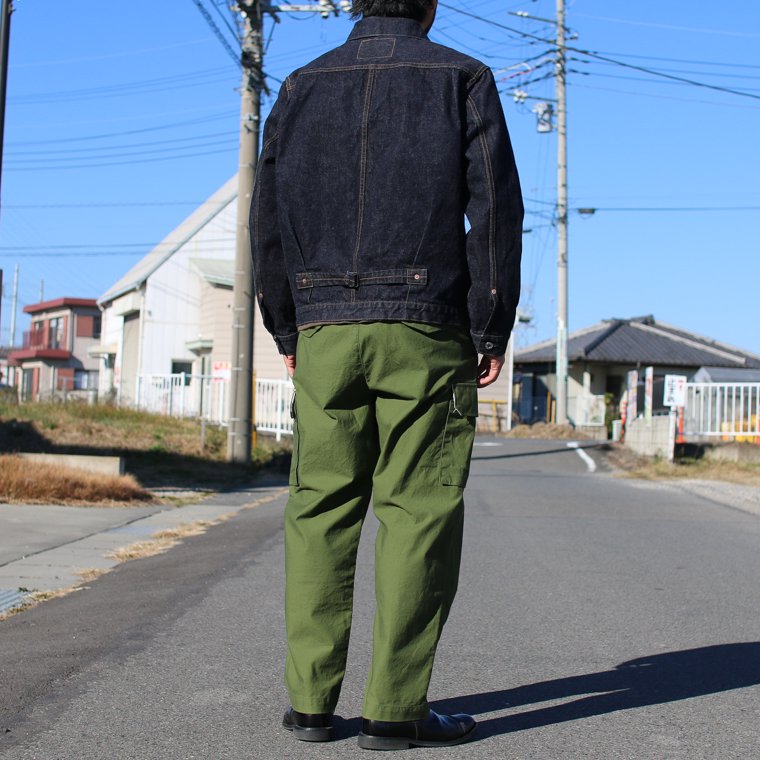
x=416, y=9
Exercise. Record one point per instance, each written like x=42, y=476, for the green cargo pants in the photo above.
x=383, y=411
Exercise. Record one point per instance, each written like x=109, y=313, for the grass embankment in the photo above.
x=630, y=465
x=28, y=482
x=161, y=453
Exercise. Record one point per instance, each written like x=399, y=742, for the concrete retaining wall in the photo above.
x=97, y=464
x=652, y=439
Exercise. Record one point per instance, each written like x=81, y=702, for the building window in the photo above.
x=55, y=331
x=88, y=326
x=183, y=367
x=85, y=380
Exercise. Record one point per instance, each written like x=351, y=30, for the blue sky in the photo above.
x=120, y=123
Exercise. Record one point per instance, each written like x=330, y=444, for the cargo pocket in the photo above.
x=459, y=435
x=293, y=479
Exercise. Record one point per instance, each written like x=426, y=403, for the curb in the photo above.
x=68, y=567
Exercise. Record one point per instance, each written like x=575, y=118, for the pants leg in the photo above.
x=335, y=450
x=423, y=378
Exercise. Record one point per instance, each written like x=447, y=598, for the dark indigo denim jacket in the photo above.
x=372, y=156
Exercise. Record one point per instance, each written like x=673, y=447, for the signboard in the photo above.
x=674, y=394
x=633, y=383
x=648, y=392
x=221, y=371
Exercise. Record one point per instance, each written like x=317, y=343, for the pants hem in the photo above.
x=395, y=712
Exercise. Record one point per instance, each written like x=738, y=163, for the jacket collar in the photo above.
x=391, y=26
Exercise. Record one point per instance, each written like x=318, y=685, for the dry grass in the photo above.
x=25, y=482
x=160, y=542
x=36, y=598
x=630, y=465
x=92, y=573
x=162, y=452
x=546, y=431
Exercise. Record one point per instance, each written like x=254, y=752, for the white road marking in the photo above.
x=590, y=463
x=487, y=443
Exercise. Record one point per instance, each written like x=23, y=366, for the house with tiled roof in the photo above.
x=600, y=357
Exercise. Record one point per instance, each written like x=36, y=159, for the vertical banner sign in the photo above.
x=674, y=393
x=633, y=383
x=648, y=393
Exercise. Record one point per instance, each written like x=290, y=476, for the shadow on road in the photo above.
x=564, y=450
x=658, y=679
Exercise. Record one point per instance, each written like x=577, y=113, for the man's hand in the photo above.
x=290, y=363
x=489, y=369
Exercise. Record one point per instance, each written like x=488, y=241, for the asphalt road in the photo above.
x=596, y=618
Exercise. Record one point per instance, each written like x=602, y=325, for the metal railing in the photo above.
x=728, y=411
x=272, y=409
x=207, y=397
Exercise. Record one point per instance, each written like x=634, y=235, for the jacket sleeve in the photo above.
x=270, y=277
x=495, y=212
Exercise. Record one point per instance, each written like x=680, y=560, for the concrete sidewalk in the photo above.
x=46, y=547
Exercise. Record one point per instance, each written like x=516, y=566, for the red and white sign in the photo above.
x=221, y=371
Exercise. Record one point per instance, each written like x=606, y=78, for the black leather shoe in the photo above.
x=308, y=727
x=434, y=731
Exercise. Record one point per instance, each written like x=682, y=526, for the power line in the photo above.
x=116, y=204
x=598, y=56
x=234, y=54
x=160, y=84
x=225, y=21
x=101, y=148
x=65, y=160
x=106, y=135
x=47, y=167
x=124, y=54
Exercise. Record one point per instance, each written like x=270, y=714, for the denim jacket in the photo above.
x=373, y=156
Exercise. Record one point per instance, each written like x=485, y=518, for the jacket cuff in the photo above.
x=286, y=344
x=490, y=345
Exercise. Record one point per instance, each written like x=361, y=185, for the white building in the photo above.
x=172, y=313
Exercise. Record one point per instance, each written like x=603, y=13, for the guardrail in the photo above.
x=727, y=411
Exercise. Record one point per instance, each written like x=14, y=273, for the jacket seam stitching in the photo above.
x=363, y=169
x=491, y=193
x=400, y=65
x=474, y=78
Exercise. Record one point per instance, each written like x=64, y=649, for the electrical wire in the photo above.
x=47, y=167
x=59, y=152
x=598, y=56
x=103, y=136
x=235, y=55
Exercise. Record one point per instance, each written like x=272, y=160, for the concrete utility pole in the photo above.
x=5, y=40
x=562, y=309
x=241, y=394
x=14, y=306
x=241, y=383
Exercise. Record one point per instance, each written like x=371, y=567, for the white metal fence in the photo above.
x=207, y=397
x=727, y=411
x=272, y=409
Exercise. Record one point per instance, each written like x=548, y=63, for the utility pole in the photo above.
x=241, y=393
x=241, y=382
x=562, y=289
x=545, y=111
x=14, y=307
x=5, y=40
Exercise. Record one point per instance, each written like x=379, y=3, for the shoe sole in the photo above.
x=368, y=741
x=310, y=734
